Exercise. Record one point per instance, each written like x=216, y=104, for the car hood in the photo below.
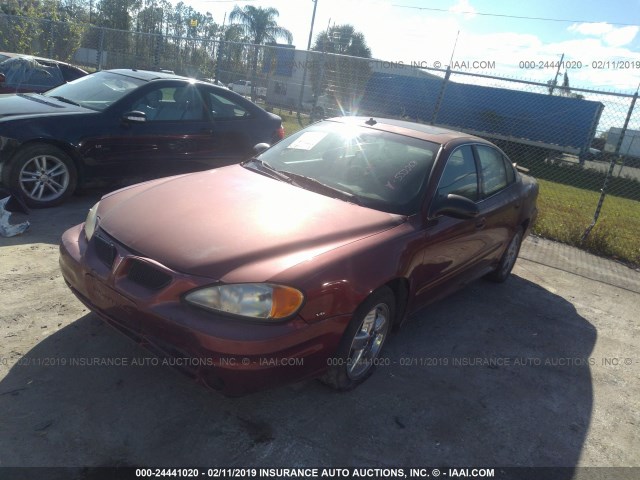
x=233, y=224
x=27, y=104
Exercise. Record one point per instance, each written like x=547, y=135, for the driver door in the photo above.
x=452, y=246
x=175, y=136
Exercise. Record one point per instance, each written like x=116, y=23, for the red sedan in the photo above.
x=298, y=262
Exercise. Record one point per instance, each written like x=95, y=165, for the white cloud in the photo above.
x=464, y=7
x=613, y=36
x=621, y=36
x=595, y=29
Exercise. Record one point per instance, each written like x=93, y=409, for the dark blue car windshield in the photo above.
x=97, y=91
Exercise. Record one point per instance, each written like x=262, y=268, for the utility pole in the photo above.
x=306, y=58
x=313, y=19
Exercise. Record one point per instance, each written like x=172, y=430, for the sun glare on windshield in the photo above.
x=381, y=170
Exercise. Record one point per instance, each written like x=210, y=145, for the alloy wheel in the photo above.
x=368, y=340
x=44, y=178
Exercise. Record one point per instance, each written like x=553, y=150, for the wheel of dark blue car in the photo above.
x=508, y=259
x=362, y=342
x=43, y=174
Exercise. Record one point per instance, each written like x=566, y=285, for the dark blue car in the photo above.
x=119, y=125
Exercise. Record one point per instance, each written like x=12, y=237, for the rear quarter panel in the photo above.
x=529, y=191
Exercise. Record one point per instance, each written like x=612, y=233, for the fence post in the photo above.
x=254, y=71
x=304, y=81
x=436, y=109
x=614, y=157
x=51, y=40
x=156, y=52
x=99, y=52
x=219, y=54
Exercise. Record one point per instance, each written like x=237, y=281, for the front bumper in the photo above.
x=224, y=353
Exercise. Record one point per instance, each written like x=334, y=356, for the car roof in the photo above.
x=39, y=59
x=411, y=129
x=148, y=75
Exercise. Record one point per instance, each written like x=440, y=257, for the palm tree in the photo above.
x=344, y=40
x=342, y=72
x=259, y=26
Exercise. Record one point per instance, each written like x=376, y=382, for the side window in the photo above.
x=494, y=174
x=222, y=108
x=151, y=103
x=459, y=176
x=171, y=104
x=69, y=73
x=511, y=174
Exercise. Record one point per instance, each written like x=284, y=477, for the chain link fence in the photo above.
x=582, y=145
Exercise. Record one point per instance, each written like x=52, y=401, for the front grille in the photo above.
x=105, y=251
x=148, y=276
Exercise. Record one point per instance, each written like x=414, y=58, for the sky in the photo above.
x=600, y=40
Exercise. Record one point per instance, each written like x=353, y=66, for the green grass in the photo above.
x=289, y=121
x=565, y=213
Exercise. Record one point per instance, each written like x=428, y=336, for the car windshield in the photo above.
x=96, y=91
x=377, y=169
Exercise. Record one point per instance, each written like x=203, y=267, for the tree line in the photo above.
x=164, y=35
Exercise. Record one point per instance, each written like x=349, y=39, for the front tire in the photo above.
x=43, y=174
x=508, y=259
x=362, y=342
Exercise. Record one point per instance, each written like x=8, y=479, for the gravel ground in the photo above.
x=543, y=370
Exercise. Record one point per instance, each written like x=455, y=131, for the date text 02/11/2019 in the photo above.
x=577, y=64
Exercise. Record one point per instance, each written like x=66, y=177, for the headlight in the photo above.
x=91, y=222
x=262, y=301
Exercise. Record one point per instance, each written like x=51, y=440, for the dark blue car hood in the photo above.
x=29, y=104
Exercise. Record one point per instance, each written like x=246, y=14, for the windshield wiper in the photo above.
x=269, y=170
x=302, y=181
x=65, y=100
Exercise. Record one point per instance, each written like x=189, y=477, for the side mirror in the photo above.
x=260, y=147
x=134, y=117
x=2, y=78
x=457, y=206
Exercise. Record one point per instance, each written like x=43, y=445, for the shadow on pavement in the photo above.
x=442, y=397
x=48, y=224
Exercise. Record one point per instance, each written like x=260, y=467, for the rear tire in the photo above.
x=43, y=174
x=508, y=259
x=362, y=342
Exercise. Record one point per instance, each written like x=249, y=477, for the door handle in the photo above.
x=480, y=223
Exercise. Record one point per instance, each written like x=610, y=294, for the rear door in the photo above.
x=499, y=199
x=235, y=125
